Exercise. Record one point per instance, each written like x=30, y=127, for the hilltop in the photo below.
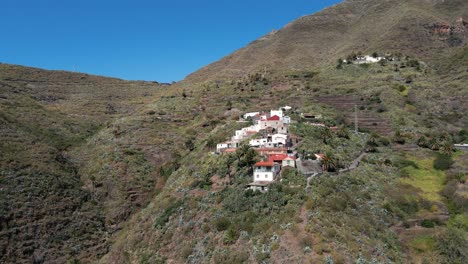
x=429, y=30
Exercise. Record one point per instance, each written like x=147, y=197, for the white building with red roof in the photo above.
x=289, y=162
x=278, y=113
x=273, y=121
x=283, y=159
x=264, y=171
x=278, y=158
x=268, y=151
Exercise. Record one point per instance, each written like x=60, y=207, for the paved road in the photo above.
x=351, y=167
x=356, y=162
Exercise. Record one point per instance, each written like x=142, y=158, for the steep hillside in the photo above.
x=203, y=215
x=203, y=212
x=46, y=215
x=429, y=30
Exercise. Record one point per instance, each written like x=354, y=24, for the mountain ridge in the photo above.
x=331, y=27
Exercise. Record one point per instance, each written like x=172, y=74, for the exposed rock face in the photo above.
x=445, y=28
x=441, y=28
x=454, y=34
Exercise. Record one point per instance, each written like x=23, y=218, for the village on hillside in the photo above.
x=270, y=137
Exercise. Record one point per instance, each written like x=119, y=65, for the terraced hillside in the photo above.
x=367, y=119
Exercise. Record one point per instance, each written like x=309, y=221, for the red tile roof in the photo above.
x=274, y=118
x=275, y=157
x=264, y=164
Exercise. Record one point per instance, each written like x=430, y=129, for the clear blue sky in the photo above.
x=140, y=39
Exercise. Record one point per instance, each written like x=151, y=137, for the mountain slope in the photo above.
x=45, y=213
x=198, y=218
x=418, y=28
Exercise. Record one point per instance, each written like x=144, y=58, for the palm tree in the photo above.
x=329, y=163
x=326, y=134
x=446, y=148
x=210, y=143
x=372, y=140
x=343, y=132
x=423, y=141
x=434, y=144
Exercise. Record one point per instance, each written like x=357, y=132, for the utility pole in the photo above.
x=355, y=119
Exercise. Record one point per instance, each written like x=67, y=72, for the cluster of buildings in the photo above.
x=270, y=127
x=365, y=59
x=269, y=136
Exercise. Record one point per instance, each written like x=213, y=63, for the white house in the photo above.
x=282, y=130
x=367, y=59
x=289, y=162
x=245, y=133
x=264, y=171
x=273, y=122
x=259, y=142
x=279, y=139
x=286, y=120
x=271, y=145
x=278, y=113
x=226, y=145
x=251, y=114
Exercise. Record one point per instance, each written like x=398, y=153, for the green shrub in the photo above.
x=401, y=163
x=443, y=162
x=230, y=257
x=413, y=63
x=364, y=65
x=186, y=250
x=427, y=223
x=231, y=236
x=452, y=246
x=307, y=241
x=204, y=183
x=222, y=223
x=164, y=217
